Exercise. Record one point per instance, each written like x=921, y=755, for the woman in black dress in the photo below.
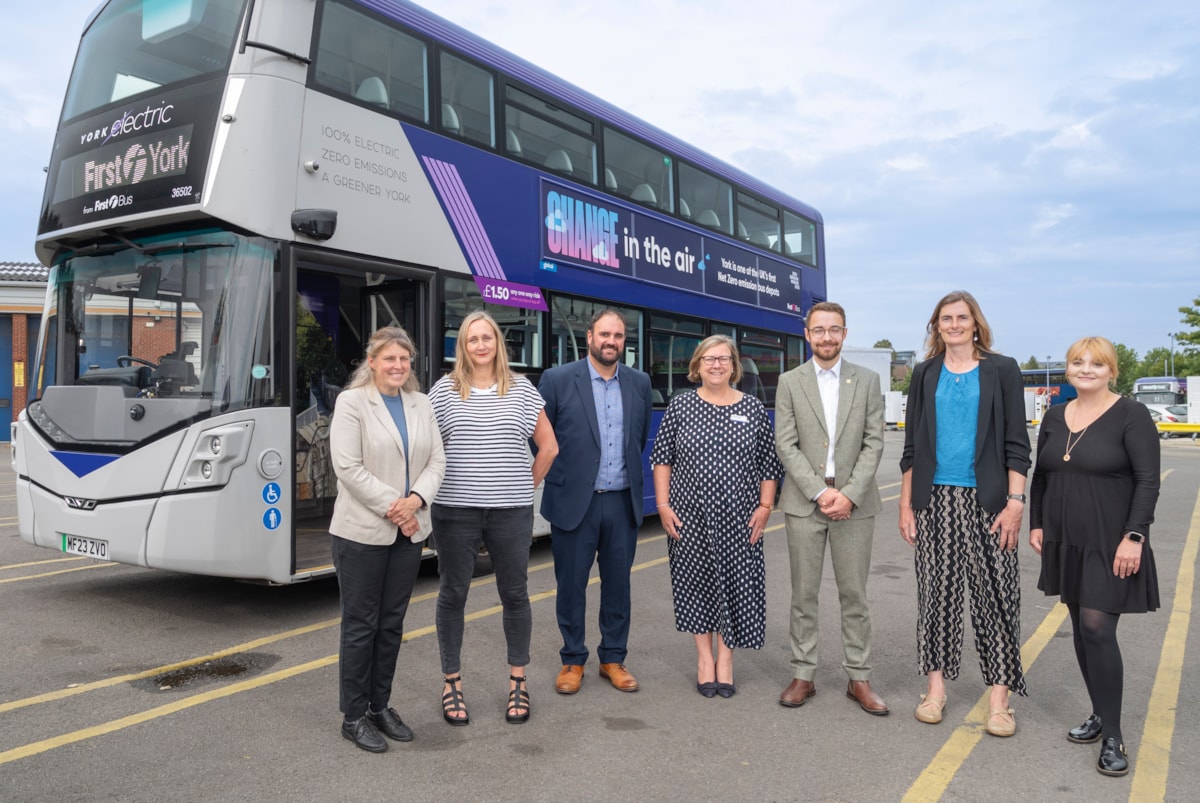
x=1093, y=494
x=715, y=472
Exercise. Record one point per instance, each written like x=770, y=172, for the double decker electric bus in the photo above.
x=241, y=191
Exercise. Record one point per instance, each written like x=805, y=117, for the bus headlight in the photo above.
x=214, y=455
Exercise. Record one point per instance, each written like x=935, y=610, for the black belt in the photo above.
x=611, y=491
x=829, y=481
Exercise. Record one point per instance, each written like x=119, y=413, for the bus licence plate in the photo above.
x=87, y=547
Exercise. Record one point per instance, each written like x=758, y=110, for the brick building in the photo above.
x=22, y=298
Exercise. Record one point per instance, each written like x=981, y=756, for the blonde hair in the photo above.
x=1100, y=348
x=464, y=369
x=983, y=332
x=378, y=342
x=711, y=342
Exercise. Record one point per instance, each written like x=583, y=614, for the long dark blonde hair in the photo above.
x=464, y=369
x=983, y=332
x=378, y=342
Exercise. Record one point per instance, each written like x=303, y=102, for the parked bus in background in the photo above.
x=1052, y=384
x=1164, y=390
x=241, y=192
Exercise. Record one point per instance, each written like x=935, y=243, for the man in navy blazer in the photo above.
x=600, y=411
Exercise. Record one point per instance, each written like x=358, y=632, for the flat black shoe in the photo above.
x=1086, y=733
x=726, y=690
x=707, y=689
x=518, y=698
x=1113, y=758
x=364, y=735
x=390, y=725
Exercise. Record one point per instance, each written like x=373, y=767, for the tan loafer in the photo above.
x=930, y=709
x=1001, y=722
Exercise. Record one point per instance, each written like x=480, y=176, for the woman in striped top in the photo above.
x=487, y=415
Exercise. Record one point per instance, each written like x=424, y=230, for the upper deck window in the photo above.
x=637, y=172
x=372, y=62
x=800, y=238
x=135, y=46
x=758, y=222
x=468, y=102
x=546, y=135
x=705, y=199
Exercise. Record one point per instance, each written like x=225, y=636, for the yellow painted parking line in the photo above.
x=932, y=782
x=141, y=717
x=1154, y=754
x=39, y=563
x=45, y=745
x=60, y=571
x=82, y=688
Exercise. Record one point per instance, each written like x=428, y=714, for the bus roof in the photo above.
x=480, y=49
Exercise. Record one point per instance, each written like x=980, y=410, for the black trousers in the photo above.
x=376, y=583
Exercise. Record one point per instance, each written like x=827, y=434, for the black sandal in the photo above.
x=454, y=702
x=518, y=698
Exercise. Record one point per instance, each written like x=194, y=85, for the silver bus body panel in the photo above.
x=238, y=532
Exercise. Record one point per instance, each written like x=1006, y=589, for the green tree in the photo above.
x=1128, y=368
x=1031, y=364
x=1157, y=362
x=1189, y=341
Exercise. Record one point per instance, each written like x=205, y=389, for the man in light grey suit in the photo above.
x=829, y=435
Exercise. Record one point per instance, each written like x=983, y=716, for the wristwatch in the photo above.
x=1019, y=497
x=768, y=507
x=1137, y=538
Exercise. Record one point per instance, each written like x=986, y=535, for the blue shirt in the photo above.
x=957, y=411
x=395, y=406
x=610, y=415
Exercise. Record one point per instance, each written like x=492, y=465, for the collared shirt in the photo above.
x=827, y=383
x=610, y=415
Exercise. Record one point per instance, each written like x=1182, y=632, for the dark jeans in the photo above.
x=375, y=583
x=507, y=533
x=608, y=536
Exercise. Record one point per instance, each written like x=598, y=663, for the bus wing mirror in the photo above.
x=319, y=224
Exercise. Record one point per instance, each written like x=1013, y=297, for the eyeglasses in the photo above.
x=724, y=359
x=821, y=331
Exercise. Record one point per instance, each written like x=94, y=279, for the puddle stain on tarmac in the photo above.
x=219, y=669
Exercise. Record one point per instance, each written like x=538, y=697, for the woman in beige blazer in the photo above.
x=387, y=455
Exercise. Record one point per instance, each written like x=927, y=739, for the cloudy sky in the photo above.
x=1043, y=155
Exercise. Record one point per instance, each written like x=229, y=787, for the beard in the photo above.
x=597, y=354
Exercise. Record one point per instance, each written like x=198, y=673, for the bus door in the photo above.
x=338, y=304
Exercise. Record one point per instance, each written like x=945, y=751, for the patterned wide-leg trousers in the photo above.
x=955, y=551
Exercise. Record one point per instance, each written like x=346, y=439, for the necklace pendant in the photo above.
x=1066, y=458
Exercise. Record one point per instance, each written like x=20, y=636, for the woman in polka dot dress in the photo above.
x=715, y=473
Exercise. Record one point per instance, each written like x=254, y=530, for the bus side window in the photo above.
x=372, y=91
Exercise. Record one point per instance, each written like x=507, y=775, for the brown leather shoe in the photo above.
x=570, y=678
x=619, y=677
x=860, y=692
x=797, y=693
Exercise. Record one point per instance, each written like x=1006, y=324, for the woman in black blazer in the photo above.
x=966, y=454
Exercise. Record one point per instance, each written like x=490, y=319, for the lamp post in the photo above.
x=1047, y=380
x=1172, y=336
